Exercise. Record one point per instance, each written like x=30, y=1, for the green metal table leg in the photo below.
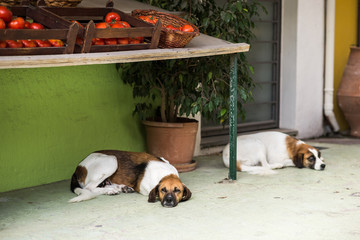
x=233, y=116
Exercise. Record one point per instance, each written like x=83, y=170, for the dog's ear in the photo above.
x=154, y=194
x=299, y=160
x=186, y=194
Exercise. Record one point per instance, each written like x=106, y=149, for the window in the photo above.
x=264, y=56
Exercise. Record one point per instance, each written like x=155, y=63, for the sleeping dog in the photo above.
x=259, y=153
x=111, y=172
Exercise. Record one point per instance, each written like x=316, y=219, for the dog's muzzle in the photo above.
x=320, y=167
x=169, y=200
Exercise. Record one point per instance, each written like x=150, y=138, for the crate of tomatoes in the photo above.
x=25, y=30
x=108, y=29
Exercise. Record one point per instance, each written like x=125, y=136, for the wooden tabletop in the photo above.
x=200, y=46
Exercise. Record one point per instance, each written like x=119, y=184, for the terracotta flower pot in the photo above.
x=173, y=141
x=348, y=94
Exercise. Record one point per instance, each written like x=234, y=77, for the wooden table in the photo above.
x=199, y=47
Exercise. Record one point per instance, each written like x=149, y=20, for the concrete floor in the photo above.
x=293, y=204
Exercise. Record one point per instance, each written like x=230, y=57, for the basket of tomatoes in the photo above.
x=175, y=33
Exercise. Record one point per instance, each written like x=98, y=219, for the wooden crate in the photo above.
x=90, y=16
x=57, y=28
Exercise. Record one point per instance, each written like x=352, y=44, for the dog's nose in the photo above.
x=168, y=201
x=322, y=166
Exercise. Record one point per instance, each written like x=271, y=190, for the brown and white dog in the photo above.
x=111, y=172
x=259, y=153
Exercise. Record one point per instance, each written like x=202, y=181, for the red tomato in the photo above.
x=150, y=19
x=187, y=28
x=141, y=39
x=102, y=25
x=29, y=43
x=36, y=26
x=171, y=27
x=143, y=18
x=43, y=43
x=2, y=24
x=56, y=42
x=111, y=17
x=98, y=41
x=79, y=41
x=117, y=25
x=5, y=14
x=27, y=24
x=134, y=41
x=2, y=44
x=123, y=41
x=14, y=44
x=153, y=18
x=17, y=23
x=110, y=41
x=125, y=24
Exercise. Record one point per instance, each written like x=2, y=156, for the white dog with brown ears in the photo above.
x=112, y=172
x=259, y=153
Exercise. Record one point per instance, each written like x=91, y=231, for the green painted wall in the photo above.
x=51, y=118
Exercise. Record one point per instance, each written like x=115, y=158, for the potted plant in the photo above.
x=186, y=87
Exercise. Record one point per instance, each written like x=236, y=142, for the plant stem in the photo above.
x=163, y=105
x=172, y=114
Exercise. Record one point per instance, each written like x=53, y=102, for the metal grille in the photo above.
x=264, y=56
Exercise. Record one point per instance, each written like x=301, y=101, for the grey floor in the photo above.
x=293, y=204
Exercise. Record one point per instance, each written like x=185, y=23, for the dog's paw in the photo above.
x=127, y=189
x=77, y=191
x=123, y=188
x=113, y=191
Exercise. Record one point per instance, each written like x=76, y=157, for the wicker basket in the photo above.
x=9, y=2
x=56, y=3
x=62, y=3
x=170, y=38
x=50, y=3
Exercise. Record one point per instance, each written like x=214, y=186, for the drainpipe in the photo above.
x=329, y=64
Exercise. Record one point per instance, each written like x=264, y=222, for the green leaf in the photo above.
x=211, y=106
x=239, y=6
x=251, y=69
x=227, y=17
